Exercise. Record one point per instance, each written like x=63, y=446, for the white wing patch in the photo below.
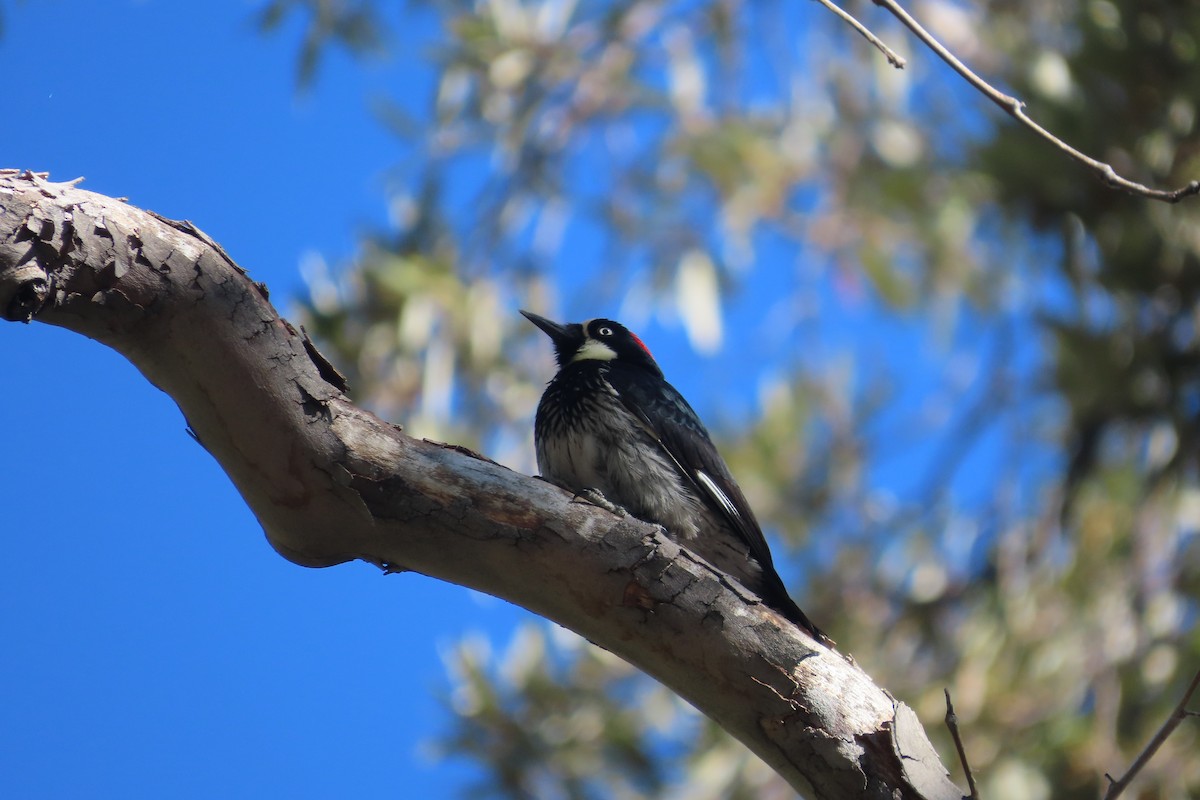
x=716, y=494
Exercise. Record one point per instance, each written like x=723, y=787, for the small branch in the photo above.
x=1181, y=712
x=893, y=58
x=952, y=724
x=1016, y=109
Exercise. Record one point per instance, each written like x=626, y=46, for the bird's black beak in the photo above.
x=558, y=333
x=567, y=338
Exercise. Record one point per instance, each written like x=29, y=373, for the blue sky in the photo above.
x=155, y=646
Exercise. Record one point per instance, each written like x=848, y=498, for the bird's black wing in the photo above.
x=672, y=423
x=668, y=418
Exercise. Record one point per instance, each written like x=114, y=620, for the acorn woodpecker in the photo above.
x=610, y=423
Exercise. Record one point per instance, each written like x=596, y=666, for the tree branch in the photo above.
x=952, y=725
x=330, y=483
x=1117, y=787
x=1016, y=109
x=893, y=58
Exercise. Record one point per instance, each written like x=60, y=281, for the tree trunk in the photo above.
x=330, y=482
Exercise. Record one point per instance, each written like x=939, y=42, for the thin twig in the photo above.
x=1016, y=109
x=952, y=724
x=1115, y=787
x=893, y=58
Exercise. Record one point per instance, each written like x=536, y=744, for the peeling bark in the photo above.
x=330, y=482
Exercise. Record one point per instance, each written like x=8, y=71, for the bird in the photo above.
x=610, y=424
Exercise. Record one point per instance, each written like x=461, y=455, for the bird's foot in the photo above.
x=597, y=498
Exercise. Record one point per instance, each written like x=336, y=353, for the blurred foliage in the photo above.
x=972, y=369
x=353, y=25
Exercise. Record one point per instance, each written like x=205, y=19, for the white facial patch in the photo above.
x=594, y=350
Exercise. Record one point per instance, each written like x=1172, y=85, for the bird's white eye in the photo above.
x=605, y=331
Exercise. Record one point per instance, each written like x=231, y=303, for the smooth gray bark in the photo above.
x=330, y=483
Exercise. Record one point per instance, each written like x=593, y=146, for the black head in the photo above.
x=595, y=340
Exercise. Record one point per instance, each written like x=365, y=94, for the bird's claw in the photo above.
x=597, y=498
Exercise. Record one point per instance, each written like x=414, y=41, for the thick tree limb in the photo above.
x=330, y=483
